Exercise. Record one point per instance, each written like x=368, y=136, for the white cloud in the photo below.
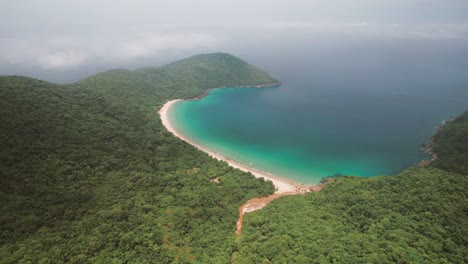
x=407, y=31
x=61, y=59
x=62, y=52
x=72, y=51
x=154, y=44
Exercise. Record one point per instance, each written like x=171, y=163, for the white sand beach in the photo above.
x=282, y=185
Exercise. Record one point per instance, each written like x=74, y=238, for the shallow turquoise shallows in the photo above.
x=306, y=133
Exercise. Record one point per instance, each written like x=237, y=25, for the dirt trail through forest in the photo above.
x=258, y=203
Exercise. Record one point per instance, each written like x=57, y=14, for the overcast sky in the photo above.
x=76, y=38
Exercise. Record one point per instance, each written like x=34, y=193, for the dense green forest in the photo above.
x=89, y=174
x=418, y=216
x=451, y=146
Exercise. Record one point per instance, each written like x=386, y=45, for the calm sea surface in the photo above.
x=305, y=130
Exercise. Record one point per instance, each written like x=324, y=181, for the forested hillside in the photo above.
x=418, y=216
x=451, y=146
x=90, y=175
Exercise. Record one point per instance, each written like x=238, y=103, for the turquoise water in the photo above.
x=305, y=132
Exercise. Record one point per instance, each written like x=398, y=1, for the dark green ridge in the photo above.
x=90, y=175
x=184, y=79
x=417, y=216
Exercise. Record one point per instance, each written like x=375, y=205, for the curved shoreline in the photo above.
x=207, y=91
x=282, y=185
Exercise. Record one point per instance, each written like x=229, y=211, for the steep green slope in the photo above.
x=451, y=146
x=186, y=78
x=418, y=216
x=89, y=174
x=228, y=71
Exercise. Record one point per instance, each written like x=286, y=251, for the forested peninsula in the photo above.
x=90, y=175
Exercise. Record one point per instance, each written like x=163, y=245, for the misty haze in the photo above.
x=164, y=131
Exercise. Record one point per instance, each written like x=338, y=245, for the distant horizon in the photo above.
x=65, y=41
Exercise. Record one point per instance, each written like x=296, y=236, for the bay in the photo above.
x=305, y=131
